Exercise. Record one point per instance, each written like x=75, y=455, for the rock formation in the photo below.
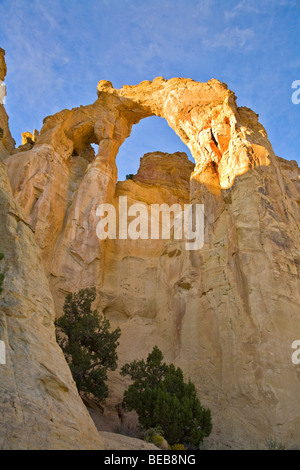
x=39, y=404
x=7, y=144
x=228, y=313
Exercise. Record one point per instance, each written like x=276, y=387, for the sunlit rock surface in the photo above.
x=228, y=313
x=39, y=404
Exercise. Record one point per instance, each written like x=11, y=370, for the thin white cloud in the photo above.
x=244, y=6
x=157, y=32
x=231, y=38
x=255, y=7
x=30, y=55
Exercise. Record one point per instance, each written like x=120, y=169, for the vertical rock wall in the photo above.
x=228, y=313
x=39, y=404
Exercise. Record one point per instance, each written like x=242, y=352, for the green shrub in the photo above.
x=157, y=440
x=273, y=444
x=88, y=344
x=155, y=435
x=161, y=398
x=130, y=176
x=152, y=432
x=178, y=447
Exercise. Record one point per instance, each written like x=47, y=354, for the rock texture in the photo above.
x=7, y=143
x=228, y=313
x=39, y=404
x=114, y=441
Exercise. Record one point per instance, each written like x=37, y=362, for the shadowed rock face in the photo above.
x=228, y=313
x=39, y=404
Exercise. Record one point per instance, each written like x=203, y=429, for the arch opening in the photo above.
x=95, y=148
x=151, y=134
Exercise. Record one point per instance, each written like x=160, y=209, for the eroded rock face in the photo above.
x=228, y=313
x=39, y=404
x=7, y=143
x=3, y=68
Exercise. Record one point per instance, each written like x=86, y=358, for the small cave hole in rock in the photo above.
x=96, y=148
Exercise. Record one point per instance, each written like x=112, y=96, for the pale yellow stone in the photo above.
x=114, y=441
x=226, y=314
x=7, y=143
x=39, y=404
x=27, y=138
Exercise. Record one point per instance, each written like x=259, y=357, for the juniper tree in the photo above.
x=162, y=399
x=88, y=343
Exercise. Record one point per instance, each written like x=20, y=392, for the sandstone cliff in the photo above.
x=39, y=404
x=7, y=143
x=228, y=313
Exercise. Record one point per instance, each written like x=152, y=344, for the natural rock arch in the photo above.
x=219, y=311
x=224, y=140
x=61, y=166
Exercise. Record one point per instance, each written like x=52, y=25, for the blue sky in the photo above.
x=58, y=50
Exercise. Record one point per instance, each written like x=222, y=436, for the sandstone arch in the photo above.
x=204, y=115
x=220, y=312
